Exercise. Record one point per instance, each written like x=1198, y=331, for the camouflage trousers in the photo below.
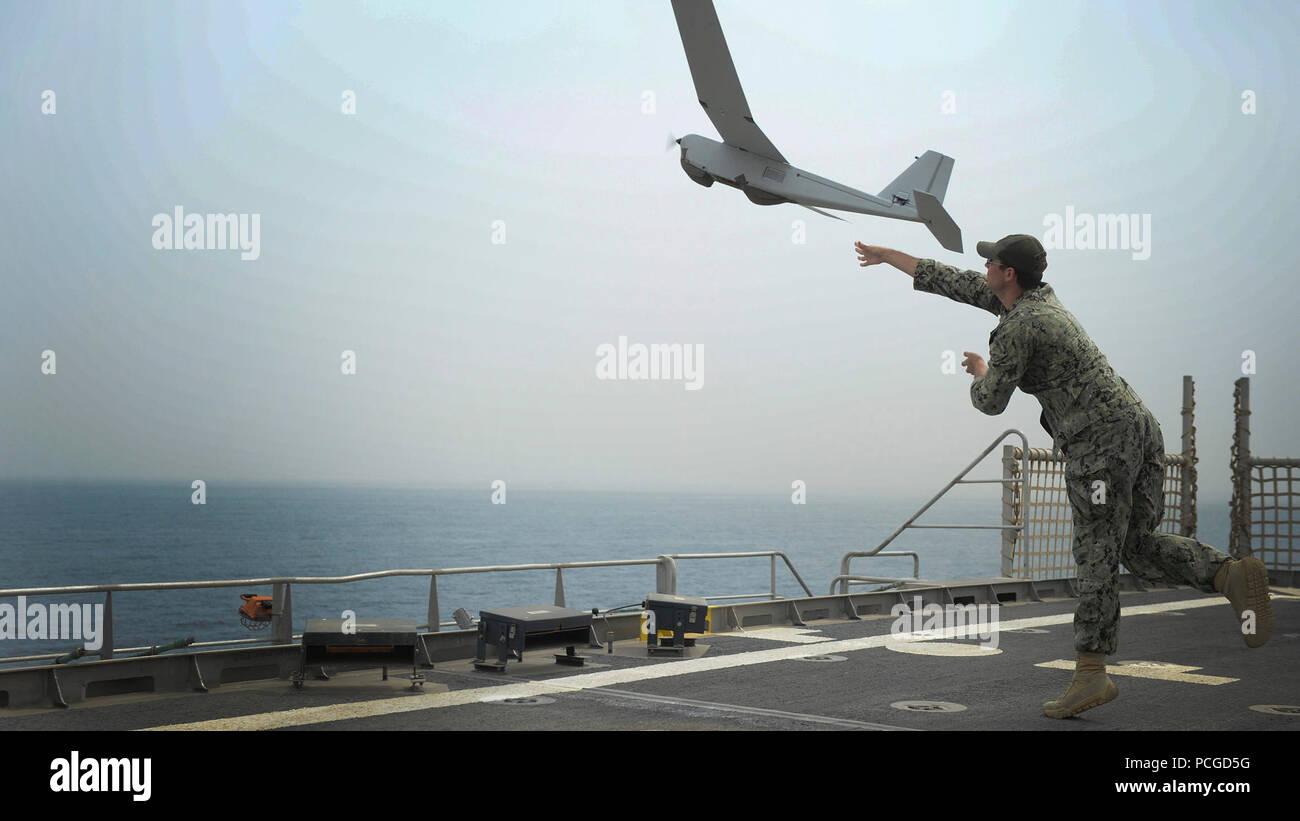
x=1114, y=475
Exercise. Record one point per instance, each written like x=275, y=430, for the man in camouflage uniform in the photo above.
x=1114, y=452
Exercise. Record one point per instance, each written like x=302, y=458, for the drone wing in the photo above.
x=823, y=213
x=716, y=82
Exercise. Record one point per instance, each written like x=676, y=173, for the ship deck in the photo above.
x=1181, y=665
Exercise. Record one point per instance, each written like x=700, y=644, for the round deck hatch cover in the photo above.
x=941, y=648
x=928, y=706
x=1291, y=710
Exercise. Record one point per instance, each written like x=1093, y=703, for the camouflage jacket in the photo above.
x=1039, y=347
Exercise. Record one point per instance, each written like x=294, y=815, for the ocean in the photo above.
x=61, y=533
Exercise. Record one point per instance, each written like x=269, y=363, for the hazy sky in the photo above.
x=531, y=122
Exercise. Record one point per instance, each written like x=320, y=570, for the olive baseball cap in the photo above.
x=1020, y=251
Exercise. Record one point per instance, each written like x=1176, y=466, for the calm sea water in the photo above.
x=75, y=533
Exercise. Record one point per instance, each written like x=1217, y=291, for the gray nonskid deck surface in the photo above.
x=1004, y=691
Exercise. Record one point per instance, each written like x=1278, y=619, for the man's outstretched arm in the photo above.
x=874, y=255
x=933, y=277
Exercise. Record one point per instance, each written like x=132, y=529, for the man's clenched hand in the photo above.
x=974, y=364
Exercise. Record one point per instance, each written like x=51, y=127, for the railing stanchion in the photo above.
x=105, y=650
x=281, y=613
x=1009, y=513
x=434, y=618
x=1187, y=485
x=666, y=576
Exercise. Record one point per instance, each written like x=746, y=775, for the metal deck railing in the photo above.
x=846, y=578
x=281, y=631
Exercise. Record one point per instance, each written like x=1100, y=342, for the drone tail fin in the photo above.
x=929, y=173
x=931, y=212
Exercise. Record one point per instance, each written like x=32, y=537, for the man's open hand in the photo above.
x=869, y=254
x=874, y=254
x=974, y=364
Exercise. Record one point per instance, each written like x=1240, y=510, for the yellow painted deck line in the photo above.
x=607, y=678
x=1173, y=672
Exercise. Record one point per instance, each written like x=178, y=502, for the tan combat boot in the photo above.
x=1245, y=583
x=1089, y=688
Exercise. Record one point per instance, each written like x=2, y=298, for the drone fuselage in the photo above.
x=769, y=182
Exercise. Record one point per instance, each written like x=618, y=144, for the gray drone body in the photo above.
x=747, y=159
